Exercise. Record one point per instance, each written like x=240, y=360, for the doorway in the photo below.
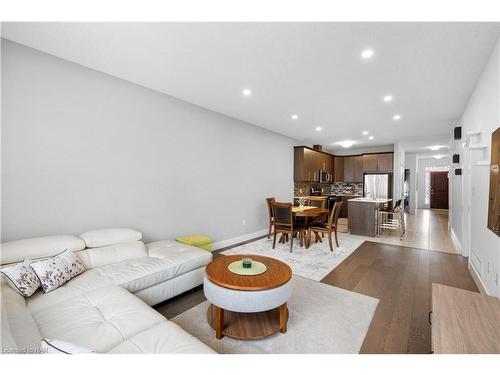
x=439, y=190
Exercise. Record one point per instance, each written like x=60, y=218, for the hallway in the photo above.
x=427, y=229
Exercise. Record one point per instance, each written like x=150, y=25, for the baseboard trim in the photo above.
x=477, y=279
x=456, y=241
x=233, y=241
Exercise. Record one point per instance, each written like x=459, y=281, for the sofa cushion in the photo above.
x=39, y=247
x=111, y=236
x=101, y=256
x=20, y=332
x=57, y=270
x=99, y=319
x=178, y=253
x=21, y=278
x=169, y=262
x=166, y=337
x=85, y=282
x=49, y=346
x=7, y=342
x=139, y=273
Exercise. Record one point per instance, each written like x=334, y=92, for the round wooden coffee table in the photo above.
x=247, y=307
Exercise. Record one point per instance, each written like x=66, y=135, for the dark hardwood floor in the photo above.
x=400, y=277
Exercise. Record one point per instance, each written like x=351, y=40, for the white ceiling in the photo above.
x=310, y=69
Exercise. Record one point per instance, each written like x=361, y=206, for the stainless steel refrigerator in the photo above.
x=377, y=186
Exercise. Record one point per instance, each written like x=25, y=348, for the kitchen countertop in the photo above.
x=371, y=200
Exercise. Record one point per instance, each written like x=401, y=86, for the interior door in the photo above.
x=439, y=190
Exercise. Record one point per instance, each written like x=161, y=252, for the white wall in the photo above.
x=470, y=197
x=84, y=150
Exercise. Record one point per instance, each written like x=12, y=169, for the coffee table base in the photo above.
x=247, y=326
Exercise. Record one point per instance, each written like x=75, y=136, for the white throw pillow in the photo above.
x=57, y=270
x=22, y=278
x=62, y=347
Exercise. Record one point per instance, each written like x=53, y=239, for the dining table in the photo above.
x=308, y=212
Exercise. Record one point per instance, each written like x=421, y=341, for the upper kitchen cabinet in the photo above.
x=308, y=163
x=370, y=163
x=378, y=163
x=353, y=168
x=385, y=162
x=338, y=169
x=348, y=169
x=358, y=169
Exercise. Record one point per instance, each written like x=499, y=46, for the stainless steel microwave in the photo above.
x=324, y=176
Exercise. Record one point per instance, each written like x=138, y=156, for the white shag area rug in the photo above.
x=313, y=263
x=323, y=319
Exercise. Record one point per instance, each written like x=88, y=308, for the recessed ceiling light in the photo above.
x=370, y=137
x=396, y=117
x=319, y=128
x=247, y=92
x=367, y=53
x=388, y=98
x=438, y=156
x=346, y=144
x=435, y=148
x=365, y=133
x=295, y=117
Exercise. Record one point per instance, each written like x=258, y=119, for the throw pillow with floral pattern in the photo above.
x=21, y=278
x=58, y=270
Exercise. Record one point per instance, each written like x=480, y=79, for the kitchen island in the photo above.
x=363, y=215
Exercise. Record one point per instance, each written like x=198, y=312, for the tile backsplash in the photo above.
x=355, y=188
x=335, y=188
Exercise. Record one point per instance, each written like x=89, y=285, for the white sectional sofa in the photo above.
x=104, y=309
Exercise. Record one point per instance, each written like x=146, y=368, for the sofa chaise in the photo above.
x=106, y=308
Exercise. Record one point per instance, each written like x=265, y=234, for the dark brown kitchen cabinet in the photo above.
x=348, y=169
x=358, y=169
x=308, y=163
x=375, y=163
x=370, y=163
x=385, y=162
x=353, y=168
x=328, y=164
x=338, y=169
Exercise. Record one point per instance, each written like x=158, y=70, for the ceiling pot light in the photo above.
x=365, y=133
x=370, y=137
x=435, y=148
x=388, y=98
x=346, y=144
x=319, y=128
x=247, y=92
x=295, y=117
x=438, y=156
x=396, y=117
x=367, y=53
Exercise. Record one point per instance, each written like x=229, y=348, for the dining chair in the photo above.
x=270, y=202
x=318, y=202
x=328, y=227
x=283, y=223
